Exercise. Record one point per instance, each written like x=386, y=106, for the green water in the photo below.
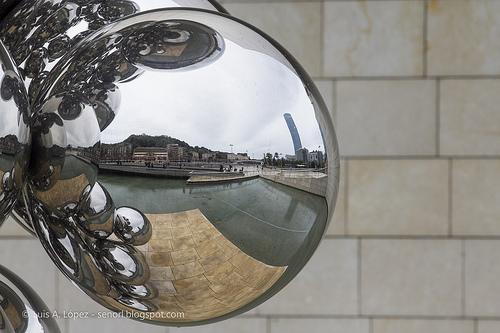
x=268, y=221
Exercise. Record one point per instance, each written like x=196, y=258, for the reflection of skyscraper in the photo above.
x=297, y=144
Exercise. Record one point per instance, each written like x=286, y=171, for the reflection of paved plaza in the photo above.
x=215, y=248
x=267, y=221
x=198, y=271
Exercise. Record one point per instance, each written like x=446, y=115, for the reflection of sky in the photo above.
x=240, y=99
x=8, y=118
x=153, y=4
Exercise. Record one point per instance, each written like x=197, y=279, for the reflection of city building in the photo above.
x=90, y=153
x=316, y=157
x=163, y=152
x=208, y=157
x=302, y=155
x=220, y=156
x=152, y=154
x=297, y=144
x=176, y=153
x=242, y=157
x=224, y=157
x=194, y=156
x=117, y=152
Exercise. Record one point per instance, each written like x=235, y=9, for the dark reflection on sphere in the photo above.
x=58, y=47
x=113, y=10
x=172, y=45
x=71, y=106
x=35, y=63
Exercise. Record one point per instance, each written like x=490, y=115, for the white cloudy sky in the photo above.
x=8, y=118
x=240, y=99
x=153, y=4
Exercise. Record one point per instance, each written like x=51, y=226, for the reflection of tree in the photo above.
x=269, y=159
x=162, y=141
x=276, y=160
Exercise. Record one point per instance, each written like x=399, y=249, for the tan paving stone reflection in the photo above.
x=200, y=272
x=63, y=192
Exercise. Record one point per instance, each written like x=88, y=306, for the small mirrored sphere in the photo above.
x=183, y=162
x=132, y=226
x=14, y=134
x=21, y=309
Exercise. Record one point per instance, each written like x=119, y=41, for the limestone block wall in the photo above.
x=414, y=245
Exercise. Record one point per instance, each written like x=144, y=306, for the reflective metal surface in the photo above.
x=38, y=33
x=21, y=309
x=14, y=133
x=183, y=166
x=6, y=6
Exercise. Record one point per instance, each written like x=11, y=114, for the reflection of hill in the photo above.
x=162, y=141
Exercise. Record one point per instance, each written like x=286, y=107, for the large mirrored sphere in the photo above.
x=14, y=134
x=184, y=166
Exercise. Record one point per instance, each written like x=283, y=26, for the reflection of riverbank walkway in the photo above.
x=221, y=177
x=309, y=180
x=173, y=172
x=200, y=272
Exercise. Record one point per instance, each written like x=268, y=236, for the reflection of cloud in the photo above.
x=8, y=119
x=240, y=99
x=154, y=4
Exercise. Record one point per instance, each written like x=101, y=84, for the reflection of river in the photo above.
x=6, y=162
x=266, y=220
